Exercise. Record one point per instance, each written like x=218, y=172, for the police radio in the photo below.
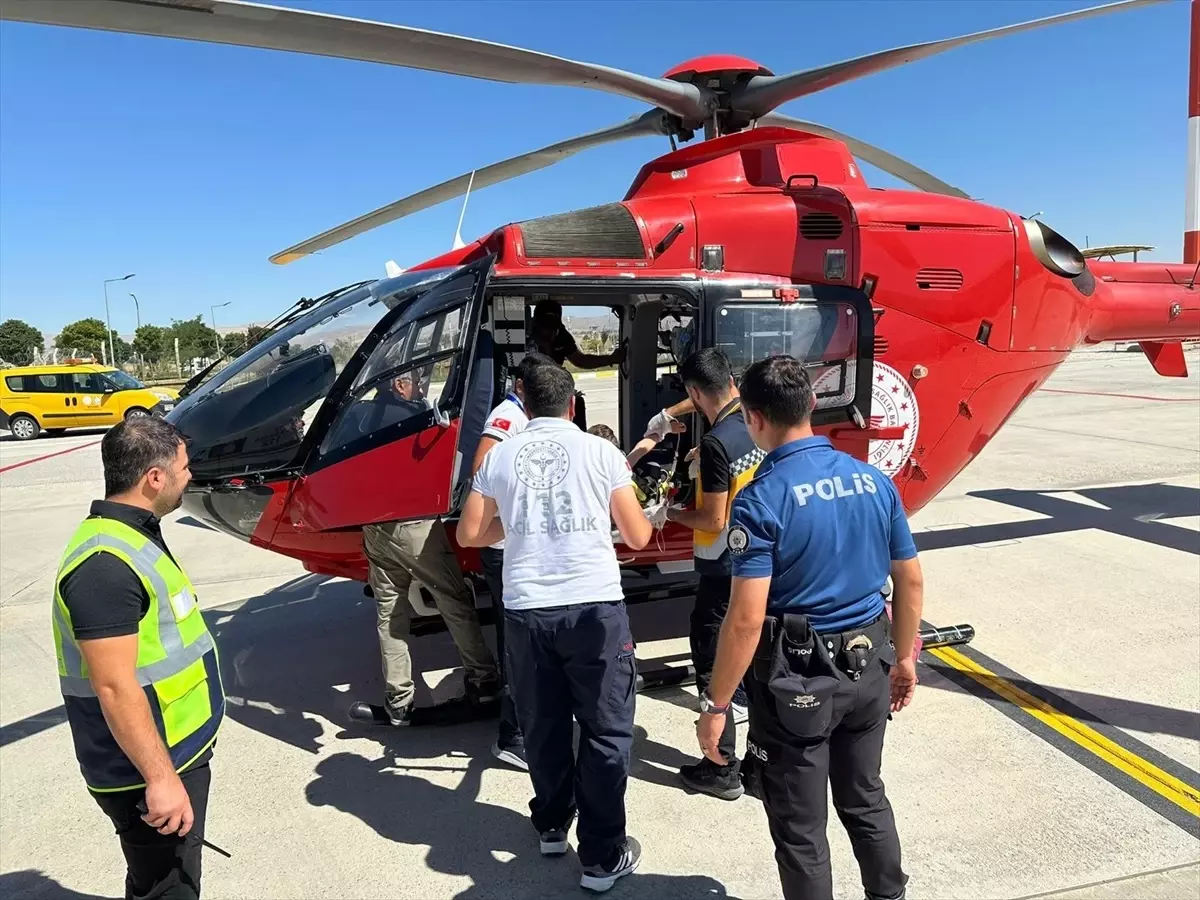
x=141, y=808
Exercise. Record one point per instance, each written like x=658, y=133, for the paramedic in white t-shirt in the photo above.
x=505, y=421
x=570, y=652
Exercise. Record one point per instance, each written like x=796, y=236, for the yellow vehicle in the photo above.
x=78, y=394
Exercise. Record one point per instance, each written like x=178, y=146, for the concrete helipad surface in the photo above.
x=1057, y=755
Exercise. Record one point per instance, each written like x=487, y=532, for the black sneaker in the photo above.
x=554, y=841
x=707, y=777
x=374, y=714
x=512, y=754
x=600, y=878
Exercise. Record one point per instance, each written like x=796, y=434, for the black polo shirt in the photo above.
x=103, y=595
x=560, y=347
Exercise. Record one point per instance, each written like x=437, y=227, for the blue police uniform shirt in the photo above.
x=825, y=527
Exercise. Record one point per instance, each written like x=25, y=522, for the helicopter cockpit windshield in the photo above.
x=253, y=414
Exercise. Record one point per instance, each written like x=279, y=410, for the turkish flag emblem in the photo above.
x=502, y=424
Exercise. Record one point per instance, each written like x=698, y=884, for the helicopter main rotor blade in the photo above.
x=322, y=34
x=881, y=159
x=650, y=123
x=763, y=93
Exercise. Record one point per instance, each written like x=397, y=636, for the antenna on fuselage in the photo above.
x=392, y=269
x=458, y=241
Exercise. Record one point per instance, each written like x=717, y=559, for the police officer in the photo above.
x=813, y=539
x=728, y=459
x=136, y=664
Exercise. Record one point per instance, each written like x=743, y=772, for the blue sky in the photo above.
x=189, y=163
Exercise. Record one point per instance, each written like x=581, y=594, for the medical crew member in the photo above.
x=505, y=421
x=570, y=651
x=727, y=462
x=136, y=664
x=813, y=539
x=548, y=335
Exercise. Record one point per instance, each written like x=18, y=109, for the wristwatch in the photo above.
x=707, y=706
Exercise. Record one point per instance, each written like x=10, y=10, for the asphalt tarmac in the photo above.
x=1056, y=755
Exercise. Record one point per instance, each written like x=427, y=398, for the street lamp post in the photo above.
x=213, y=310
x=138, y=312
x=112, y=352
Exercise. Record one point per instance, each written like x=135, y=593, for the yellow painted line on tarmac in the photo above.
x=1146, y=773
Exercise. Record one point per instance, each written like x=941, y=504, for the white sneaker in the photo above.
x=741, y=714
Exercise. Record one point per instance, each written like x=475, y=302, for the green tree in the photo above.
x=84, y=337
x=254, y=334
x=122, y=348
x=195, y=338
x=18, y=340
x=233, y=342
x=150, y=343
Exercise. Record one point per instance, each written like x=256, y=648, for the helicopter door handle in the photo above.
x=872, y=433
x=440, y=416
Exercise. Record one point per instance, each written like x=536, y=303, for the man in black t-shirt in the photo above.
x=118, y=590
x=728, y=460
x=548, y=335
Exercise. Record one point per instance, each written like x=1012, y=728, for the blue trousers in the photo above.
x=576, y=663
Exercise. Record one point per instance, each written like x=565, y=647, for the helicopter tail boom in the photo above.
x=1157, y=305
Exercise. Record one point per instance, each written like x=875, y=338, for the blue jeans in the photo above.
x=576, y=662
x=492, y=562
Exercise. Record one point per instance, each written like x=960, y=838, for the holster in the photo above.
x=801, y=670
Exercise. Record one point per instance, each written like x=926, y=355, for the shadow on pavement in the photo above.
x=30, y=884
x=494, y=846
x=308, y=649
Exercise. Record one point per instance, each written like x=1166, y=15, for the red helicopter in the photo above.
x=926, y=318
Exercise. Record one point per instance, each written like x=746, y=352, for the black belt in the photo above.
x=847, y=653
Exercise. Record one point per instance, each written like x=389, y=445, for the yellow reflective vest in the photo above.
x=177, y=662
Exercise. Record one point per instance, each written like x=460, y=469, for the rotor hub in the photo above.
x=719, y=76
x=722, y=67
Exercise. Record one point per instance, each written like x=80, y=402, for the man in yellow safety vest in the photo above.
x=137, y=665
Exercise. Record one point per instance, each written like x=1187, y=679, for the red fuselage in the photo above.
x=969, y=318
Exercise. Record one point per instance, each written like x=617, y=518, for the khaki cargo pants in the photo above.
x=398, y=552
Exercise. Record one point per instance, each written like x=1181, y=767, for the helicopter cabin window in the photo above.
x=253, y=415
x=824, y=336
x=408, y=373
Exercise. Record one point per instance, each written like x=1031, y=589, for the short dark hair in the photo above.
x=548, y=391
x=603, y=431
x=135, y=446
x=528, y=363
x=778, y=389
x=545, y=309
x=708, y=371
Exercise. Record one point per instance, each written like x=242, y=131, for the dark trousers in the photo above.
x=576, y=662
x=492, y=562
x=712, y=602
x=580, y=411
x=847, y=758
x=159, y=866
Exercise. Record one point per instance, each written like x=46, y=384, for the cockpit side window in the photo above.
x=823, y=336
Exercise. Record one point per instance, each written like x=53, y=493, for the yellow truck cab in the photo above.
x=77, y=394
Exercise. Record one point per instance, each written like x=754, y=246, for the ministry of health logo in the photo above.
x=542, y=465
